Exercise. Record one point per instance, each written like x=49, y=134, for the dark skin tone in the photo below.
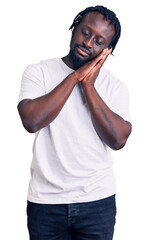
x=93, y=36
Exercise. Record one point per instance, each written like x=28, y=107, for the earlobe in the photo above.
x=73, y=28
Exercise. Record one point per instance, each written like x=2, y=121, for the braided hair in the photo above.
x=108, y=14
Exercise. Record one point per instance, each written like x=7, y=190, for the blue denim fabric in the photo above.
x=76, y=221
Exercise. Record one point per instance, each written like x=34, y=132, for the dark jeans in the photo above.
x=76, y=221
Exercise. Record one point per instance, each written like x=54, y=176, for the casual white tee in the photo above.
x=70, y=162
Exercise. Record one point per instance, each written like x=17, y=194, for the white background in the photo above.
x=34, y=30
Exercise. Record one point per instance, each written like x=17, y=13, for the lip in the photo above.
x=82, y=51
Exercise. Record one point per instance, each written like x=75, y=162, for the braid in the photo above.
x=108, y=14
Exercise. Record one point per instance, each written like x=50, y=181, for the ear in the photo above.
x=73, y=28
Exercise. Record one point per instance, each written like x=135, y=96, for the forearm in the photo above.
x=110, y=127
x=40, y=112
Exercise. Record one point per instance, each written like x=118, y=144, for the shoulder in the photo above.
x=106, y=79
x=53, y=62
x=109, y=86
x=42, y=64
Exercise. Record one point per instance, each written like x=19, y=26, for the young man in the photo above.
x=77, y=109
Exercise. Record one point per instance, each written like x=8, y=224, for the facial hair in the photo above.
x=75, y=60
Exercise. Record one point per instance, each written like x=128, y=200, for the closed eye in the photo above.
x=98, y=43
x=86, y=34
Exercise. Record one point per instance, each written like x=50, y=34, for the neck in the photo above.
x=67, y=62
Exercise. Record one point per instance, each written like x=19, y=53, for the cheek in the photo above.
x=98, y=50
x=76, y=37
x=73, y=41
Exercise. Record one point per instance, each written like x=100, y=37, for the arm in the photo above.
x=110, y=127
x=41, y=111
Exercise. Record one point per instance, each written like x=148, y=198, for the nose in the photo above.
x=88, y=42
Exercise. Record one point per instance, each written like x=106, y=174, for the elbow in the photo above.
x=121, y=141
x=29, y=123
x=119, y=144
x=30, y=126
x=30, y=130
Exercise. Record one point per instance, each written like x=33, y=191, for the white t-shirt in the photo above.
x=70, y=162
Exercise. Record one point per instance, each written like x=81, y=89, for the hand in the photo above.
x=83, y=71
x=90, y=78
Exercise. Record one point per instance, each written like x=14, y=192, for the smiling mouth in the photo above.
x=83, y=52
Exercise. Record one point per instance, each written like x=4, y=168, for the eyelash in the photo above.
x=98, y=43
x=87, y=35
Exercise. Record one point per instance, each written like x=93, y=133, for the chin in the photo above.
x=76, y=60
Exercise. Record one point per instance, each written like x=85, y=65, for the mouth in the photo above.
x=83, y=52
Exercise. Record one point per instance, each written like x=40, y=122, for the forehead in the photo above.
x=98, y=23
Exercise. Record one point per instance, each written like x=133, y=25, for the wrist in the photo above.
x=88, y=86
x=73, y=78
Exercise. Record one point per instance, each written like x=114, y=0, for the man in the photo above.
x=77, y=109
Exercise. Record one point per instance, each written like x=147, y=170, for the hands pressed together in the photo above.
x=88, y=73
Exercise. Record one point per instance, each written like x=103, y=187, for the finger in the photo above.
x=91, y=64
x=100, y=56
x=98, y=61
x=105, y=55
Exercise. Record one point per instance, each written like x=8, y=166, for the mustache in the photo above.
x=84, y=47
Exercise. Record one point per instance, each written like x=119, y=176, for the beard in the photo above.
x=75, y=60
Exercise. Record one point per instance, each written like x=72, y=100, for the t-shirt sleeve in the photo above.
x=32, y=84
x=119, y=102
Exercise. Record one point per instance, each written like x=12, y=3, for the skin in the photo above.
x=93, y=36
